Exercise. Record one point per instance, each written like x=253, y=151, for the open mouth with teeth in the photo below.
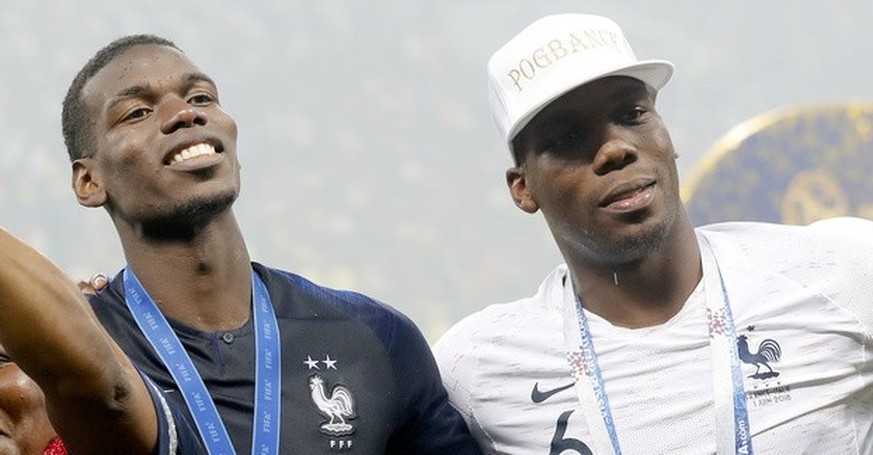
x=192, y=152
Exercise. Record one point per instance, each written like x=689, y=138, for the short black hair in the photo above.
x=74, y=122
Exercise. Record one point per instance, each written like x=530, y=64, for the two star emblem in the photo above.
x=312, y=364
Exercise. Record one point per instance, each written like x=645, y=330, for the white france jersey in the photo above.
x=802, y=301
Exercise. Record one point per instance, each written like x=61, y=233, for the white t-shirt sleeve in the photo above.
x=845, y=250
x=834, y=256
x=456, y=354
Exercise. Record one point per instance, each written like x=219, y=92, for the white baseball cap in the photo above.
x=554, y=55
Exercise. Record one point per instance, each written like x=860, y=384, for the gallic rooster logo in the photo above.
x=337, y=407
x=768, y=352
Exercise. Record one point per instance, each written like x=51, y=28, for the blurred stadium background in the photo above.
x=369, y=158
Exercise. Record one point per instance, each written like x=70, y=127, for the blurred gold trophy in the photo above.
x=792, y=166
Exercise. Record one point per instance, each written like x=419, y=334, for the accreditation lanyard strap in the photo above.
x=153, y=324
x=733, y=434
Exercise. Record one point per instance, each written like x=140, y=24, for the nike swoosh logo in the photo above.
x=538, y=396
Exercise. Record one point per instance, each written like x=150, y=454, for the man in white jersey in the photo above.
x=654, y=337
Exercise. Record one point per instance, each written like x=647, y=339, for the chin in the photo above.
x=187, y=219
x=649, y=236
x=629, y=243
x=644, y=243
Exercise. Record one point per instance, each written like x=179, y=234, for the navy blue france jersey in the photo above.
x=357, y=376
x=176, y=435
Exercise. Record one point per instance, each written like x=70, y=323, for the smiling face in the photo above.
x=164, y=150
x=600, y=165
x=24, y=425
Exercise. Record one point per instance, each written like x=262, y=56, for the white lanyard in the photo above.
x=733, y=435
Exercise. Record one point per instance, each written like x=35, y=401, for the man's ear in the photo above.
x=515, y=179
x=88, y=183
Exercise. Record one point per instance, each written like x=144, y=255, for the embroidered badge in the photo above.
x=336, y=404
x=767, y=389
x=768, y=352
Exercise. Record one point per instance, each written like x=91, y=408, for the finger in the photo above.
x=98, y=281
x=86, y=287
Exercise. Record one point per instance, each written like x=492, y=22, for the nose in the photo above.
x=182, y=115
x=615, y=152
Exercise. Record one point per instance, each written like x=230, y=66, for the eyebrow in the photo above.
x=630, y=91
x=199, y=77
x=141, y=89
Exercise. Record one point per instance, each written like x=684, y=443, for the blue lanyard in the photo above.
x=153, y=324
x=722, y=334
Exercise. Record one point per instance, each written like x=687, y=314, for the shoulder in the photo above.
x=839, y=230
x=501, y=319
x=497, y=333
x=461, y=350
x=830, y=258
x=833, y=242
x=482, y=327
x=297, y=297
x=841, y=245
x=504, y=318
x=311, y=299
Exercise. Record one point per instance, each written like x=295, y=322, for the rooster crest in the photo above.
x=338, y=407
x=769, y=351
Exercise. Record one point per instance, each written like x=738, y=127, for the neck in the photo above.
x=644, y=292
x=203, y=281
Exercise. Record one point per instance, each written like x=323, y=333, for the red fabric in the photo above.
x=56, y=447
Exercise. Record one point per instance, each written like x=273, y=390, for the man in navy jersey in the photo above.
x=264, y=360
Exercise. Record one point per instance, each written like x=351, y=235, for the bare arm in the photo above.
x=96, y=399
